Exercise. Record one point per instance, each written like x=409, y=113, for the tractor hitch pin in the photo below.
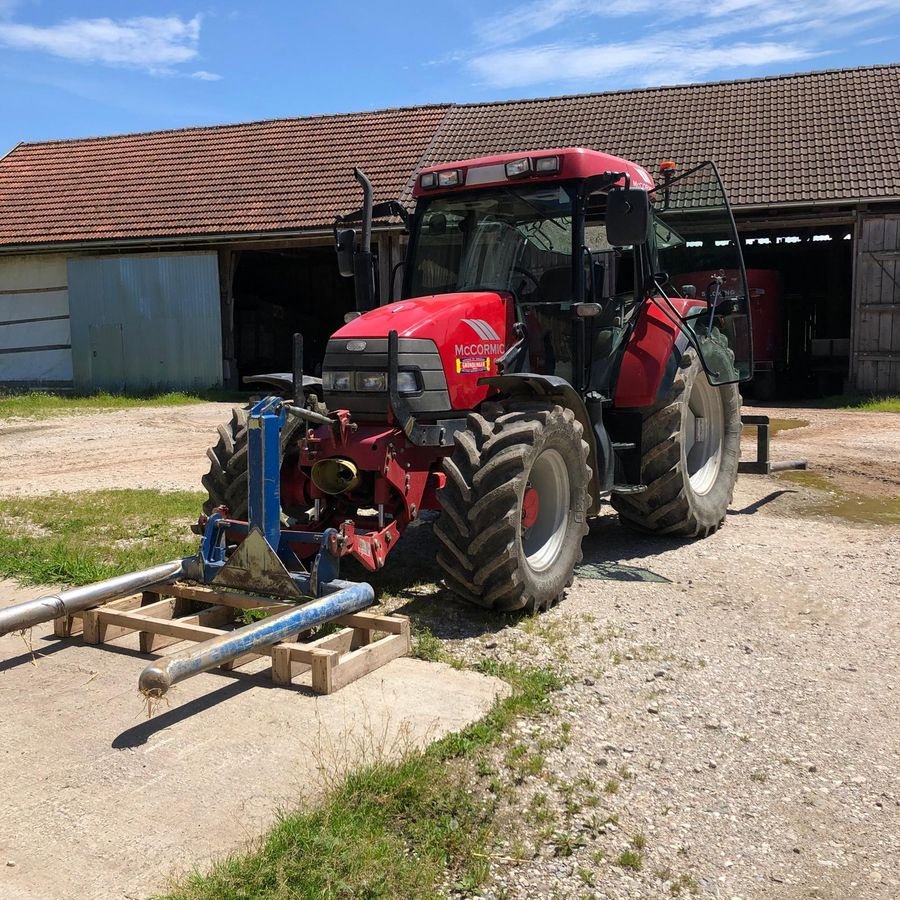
x=380, y=516
x=34, y=612
x=307, y=414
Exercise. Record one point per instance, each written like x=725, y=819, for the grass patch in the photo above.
x=75, y=539
x=862, y=402
x=402, y=829
x=42, y=404
x=630, y=859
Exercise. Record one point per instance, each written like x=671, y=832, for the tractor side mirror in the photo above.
x=345, y=247
x=627, y=216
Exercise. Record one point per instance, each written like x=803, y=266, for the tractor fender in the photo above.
x=651, y=357
x=284, y=381
x=529, y=384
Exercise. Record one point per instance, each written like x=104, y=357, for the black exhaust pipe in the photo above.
x=363, y=268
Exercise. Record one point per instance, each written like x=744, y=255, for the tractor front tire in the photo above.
x=227, y=481
x=514, y=507
x=690, y=448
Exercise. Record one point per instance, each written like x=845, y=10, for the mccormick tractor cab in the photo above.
x=546, y=354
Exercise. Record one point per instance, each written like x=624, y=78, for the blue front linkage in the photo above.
x=267, y=418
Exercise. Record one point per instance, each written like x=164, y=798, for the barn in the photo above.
x=187, y=258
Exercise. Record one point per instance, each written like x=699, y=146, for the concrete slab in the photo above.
x=99, y=801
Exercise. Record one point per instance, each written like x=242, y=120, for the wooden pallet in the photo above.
x=182, y=612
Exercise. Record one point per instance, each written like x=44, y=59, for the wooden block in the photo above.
x=388, y=624
x=67, y=626
x=151, y=641
x=282, y=667
x=362, y=637
x=95, y=631
x=91, y=630
x=292, y=659
x=224, y=598
x=322, y=671
x=360, y=662
x=170, y=627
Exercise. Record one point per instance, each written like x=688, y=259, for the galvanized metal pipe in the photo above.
x=33, y=612
x=158, y=677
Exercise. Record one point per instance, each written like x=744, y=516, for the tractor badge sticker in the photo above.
x=476, y=357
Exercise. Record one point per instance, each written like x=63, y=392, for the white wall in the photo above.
x=35, y=341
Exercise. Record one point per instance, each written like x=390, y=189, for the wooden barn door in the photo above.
x=876, y=332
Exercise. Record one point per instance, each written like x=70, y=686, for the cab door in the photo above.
x=699, y=272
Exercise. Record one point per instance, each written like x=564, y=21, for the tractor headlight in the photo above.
x=371, y=381
x=337, y=381
x=407, y=382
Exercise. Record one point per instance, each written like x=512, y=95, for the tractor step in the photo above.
x=624, y=445
x=180, y=612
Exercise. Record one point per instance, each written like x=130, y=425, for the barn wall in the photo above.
x=147, y=322
x=35, y=340
x=875, y=364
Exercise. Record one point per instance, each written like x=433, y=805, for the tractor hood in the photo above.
x=477, y=316
x=454, y=339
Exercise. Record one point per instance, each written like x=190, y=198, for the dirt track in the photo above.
x=164, y=448
x=745, y=704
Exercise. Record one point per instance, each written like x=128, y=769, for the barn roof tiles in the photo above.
x=274, y=176
x=823, y=136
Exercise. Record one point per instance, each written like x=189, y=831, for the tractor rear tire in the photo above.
x=690, y=447
x=514, y=508
x=227, y=480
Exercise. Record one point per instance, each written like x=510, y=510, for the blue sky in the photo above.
x=77, y=68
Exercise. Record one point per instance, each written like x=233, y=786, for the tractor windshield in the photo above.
x=502, y=239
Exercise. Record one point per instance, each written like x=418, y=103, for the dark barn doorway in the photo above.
x=279, y=292
x=801, y=287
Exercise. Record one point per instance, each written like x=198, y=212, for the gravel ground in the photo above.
x=734, y=726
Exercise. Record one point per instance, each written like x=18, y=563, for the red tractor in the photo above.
x=540, y=360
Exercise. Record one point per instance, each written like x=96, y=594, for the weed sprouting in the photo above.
x=630, y=859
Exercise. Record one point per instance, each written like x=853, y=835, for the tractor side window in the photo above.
x=441, y=236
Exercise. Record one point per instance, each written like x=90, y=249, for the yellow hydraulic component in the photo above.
x=335, y=475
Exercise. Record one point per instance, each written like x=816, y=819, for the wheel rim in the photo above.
x=543, y=539
x=704, y=434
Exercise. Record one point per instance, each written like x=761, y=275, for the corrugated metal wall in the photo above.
x=147, y=322
x=35, y=345
x=876, y=328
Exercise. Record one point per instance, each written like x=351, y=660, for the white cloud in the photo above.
x=673, y=41
x=153, y=44
x=203, y=75
x=555, y=62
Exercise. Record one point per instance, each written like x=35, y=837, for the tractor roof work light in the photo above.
x=518, y=168
x=450, y=178
x=428, y=180
x=546, y=165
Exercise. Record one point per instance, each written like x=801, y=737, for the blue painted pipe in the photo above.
x=348, y=597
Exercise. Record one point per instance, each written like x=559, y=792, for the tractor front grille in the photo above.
x=431, y=402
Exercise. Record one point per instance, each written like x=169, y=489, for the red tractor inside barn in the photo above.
x=542, y=358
